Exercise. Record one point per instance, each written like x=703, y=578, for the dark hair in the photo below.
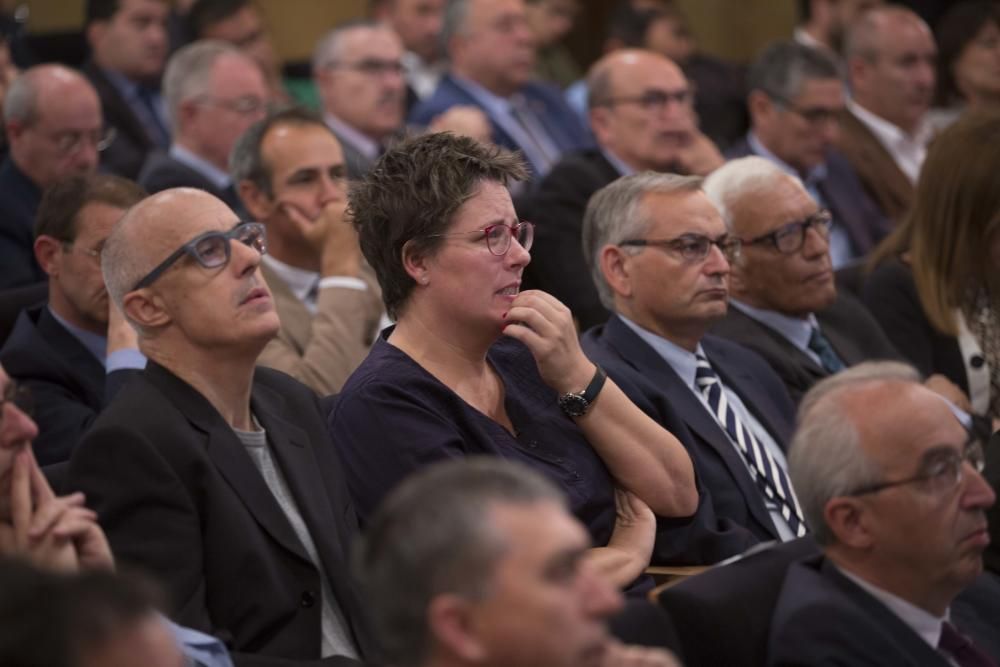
x=412, y=192
x=783, y=67
x=206, y=13
x=246, y=162
x=432, y=535
x=51, y=619
x=62, y=202
x=100, y=10
x=959, y=26
x=805, y=10
x=629, y=26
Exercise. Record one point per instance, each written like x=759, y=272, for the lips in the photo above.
x=510, y=290
x=255, y=293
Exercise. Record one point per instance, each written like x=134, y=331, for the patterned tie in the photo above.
x=961, y=649
x=768, y=475
x=827, y=356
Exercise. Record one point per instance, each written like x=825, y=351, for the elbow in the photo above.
x=679, y=496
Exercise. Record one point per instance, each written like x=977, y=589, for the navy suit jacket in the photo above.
x=132, y=143
x=846, y=198
x=734, y=503
x=19, y=199
x=560, y=122
x=823, y=618
x=161, y=171
x=67, y=382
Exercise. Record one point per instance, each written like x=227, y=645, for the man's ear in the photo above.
x=258, y=203
x=616, y=268
x=146, y=309
x=451, y=620
x=48, y=252
x=848, y=521
x=599, y=120
x=95, y=32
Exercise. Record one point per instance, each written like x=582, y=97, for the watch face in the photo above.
x=574, y=405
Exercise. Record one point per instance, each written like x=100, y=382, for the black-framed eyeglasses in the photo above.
x=942, y=471
x=692, y=247
x=791, y=237
x=498, y=236
x=653, y=100
x=19, y=396
x=370, y=66
x=812, y=115
x=211, y=249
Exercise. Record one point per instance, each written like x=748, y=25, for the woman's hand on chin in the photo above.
x=546, y=327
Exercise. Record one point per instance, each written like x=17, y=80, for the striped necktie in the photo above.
x=819, y=344
x=767, y=474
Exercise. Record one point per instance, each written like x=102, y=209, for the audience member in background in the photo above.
x=796, y=102
x=641, y=116
x=214, y=93
x=968, y=68
x=551, y=21
x=895, y=498
x=474, y=366
x=128, y=50
x=785, y=304
x=491, y=55
x=292, y=178
x=823, y=24
x=76, y=352
x=359, y=75
x=239, y=22
x=479, y=562
x=935, y=288
x=52, y=118
x=418, y=25
x=659, y=254
x=890, y=56
x=8, y=72
x=217, y=478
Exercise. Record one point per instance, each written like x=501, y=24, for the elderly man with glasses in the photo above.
x=216, y=476
x=890, y=483
x=660, y=256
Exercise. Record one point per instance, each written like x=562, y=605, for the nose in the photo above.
x=815, y=243
x=331, y=189
x=716, y=262
x=978, y=495
x=600, y=598
x=16, y=427
x=516, y=254
x=244, y=259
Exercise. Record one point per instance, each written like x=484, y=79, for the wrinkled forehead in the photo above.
x=638, y=71
x=775, y=203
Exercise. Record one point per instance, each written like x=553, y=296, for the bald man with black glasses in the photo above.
x=215, y=476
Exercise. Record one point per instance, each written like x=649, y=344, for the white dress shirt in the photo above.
x=908, y=150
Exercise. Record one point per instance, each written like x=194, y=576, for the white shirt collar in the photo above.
x=922, y=622
x=219, y=178
x=422, y=76
x=908, y=150
x=358, y=141
x=684, y=362
x=796, y=330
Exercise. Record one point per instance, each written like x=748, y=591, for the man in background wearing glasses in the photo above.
x=890, y=483
x=214, y=92
x=52, y=117
x=796, y=102
x=785, y=305
x=76, y=351
x=216, y=477
x=660, y=256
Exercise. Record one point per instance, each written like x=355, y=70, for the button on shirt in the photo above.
x=907, y=150
x=795, y=330
x=685, y=364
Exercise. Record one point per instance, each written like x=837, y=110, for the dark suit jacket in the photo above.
x=179, y=497
x=132, y=143
x=556, y=207
x=19, y=199
x=881, y=177
x=559, y=121
x=67, y=382
x=161, y=171
x=851, y=207
x=823, y=618
x=740, y=516
x=847, y=324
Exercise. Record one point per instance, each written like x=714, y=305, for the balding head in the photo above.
x=891, y=65
x=53, y=120
x=641, y=108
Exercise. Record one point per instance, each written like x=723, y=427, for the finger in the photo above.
x=46, y=516
x=526, y=335
x=531, y=318
x=74, y=523
x=41, y=490
x=20, y=497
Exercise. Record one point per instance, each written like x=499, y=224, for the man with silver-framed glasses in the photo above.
x=215, y=476
x=896, y=499
x=785, y=305
x=52, y=118
x=660, y=257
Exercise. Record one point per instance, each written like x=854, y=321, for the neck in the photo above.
x=432, y=342
x=300, y=255
x=59, y=305
x=189, y=144
x=225, y=380
x=984, y=100
x=685, y=335
x=915, y=588
x=495, y=87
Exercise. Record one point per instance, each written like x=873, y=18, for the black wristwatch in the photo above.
x=576, y=405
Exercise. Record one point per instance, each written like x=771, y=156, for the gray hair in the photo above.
x=784, y=67
x=826, y=458
x=728, y=184
x=329, y=47
x=189, y=71
x=433, y=536
x=122, y=265
x=453, y=21
x=615, y=213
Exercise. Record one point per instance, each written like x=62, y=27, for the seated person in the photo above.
x=479, y=562
x=659, y=255
x=217, y=478
x=967, y=78
x=895, y=498
x=934, y=288
x=475, y=366
x=76, y=352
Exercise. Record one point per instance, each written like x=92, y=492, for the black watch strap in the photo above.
x=576, y=405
